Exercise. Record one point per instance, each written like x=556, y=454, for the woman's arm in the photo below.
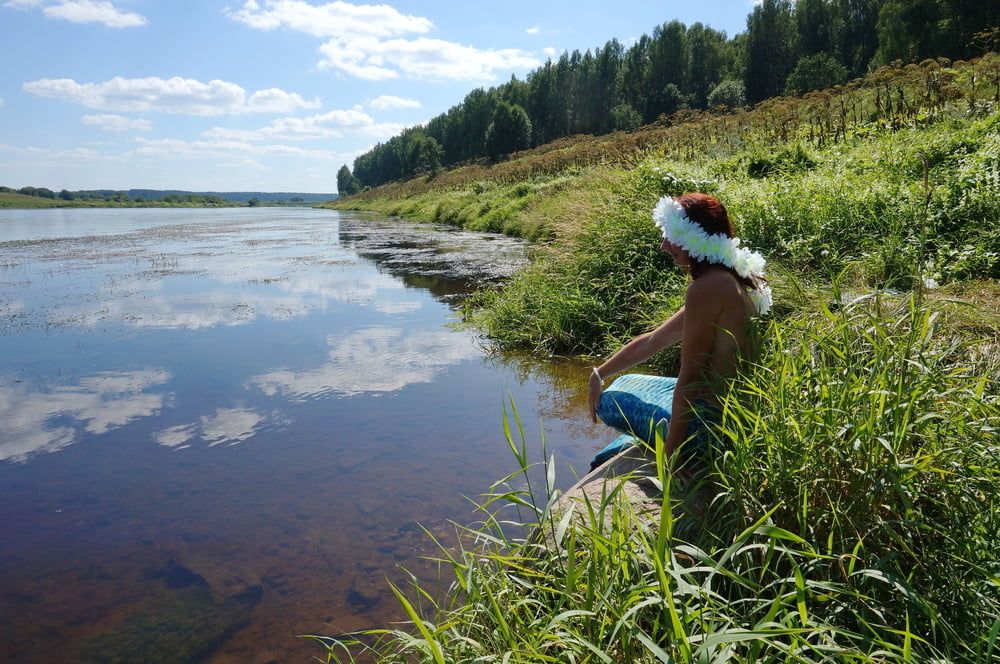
x=636, y=352
x=696, y=349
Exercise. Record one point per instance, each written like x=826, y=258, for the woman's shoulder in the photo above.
x=718, y=287
x=714, y=282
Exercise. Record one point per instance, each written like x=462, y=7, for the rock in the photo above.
x=633, y=474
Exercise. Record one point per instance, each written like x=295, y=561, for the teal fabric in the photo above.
x=639, y=406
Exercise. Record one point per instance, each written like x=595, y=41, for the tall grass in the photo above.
x=854, y=517
x=887, y=210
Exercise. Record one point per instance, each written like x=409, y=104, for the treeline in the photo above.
x=118, y=197
x=788, y=48
x=175, y=196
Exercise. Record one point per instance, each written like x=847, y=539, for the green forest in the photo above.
x=788, y=48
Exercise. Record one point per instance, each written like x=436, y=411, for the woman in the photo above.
x=713, y=327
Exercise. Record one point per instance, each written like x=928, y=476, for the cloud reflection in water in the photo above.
x=229, y=426
x=376, y=359
x=100, y=403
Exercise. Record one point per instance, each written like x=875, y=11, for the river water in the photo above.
x=224, y=429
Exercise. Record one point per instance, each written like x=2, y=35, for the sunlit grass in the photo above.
x=851, y=514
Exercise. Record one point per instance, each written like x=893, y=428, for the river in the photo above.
x=224, y=429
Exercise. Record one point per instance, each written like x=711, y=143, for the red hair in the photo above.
x=709, y=213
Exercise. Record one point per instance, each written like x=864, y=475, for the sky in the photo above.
x=267, y=95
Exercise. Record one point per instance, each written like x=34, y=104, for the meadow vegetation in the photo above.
x=854, y=510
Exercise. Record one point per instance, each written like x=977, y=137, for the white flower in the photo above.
x=670, y=217
x=761, y=298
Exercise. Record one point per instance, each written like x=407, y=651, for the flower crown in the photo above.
x=678, y=229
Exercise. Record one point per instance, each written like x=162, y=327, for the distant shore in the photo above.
x=21, y=202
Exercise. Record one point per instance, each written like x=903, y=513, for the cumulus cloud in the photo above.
x=221, y=147
x=95, y=11
x=391, y=102
x=111, y=122
x=378, y=359
x=84, y=11
x=47, y=420
x=330, y=19
x=229, y=426
x=550, y=51
x=173, y=95
x=423, y=57
x=374, y=42
x=533, y=30
x=333, y=124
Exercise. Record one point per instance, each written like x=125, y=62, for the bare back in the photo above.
x=732, y=309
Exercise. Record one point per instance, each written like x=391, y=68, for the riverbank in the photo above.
x=856, y=509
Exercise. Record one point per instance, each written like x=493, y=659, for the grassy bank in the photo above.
x=542, y=208
x=854, y=517
x=882, y=210
x=856, y=497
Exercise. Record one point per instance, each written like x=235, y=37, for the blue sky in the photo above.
x=266, y=95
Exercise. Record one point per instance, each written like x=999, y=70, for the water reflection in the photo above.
x=375, y=359
x=323, y=405
x=33, y=421
x=229, y=426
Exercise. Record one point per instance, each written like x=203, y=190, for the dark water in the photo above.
x=220, y=429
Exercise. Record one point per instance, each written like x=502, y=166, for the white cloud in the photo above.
x=331, y=19
x=379, y=359
x=94, y=11
x=99, y=403
x=549, y=51
x=175, y=436
x=60, y=156
x=111, y=122
x=421, y=58
x=226, y=425
x=275, y=100
x=333, y=124
x=369, y=41
x=391, y=102
x=221, y=147
x=533, y=30
x=84, y=11
x=393, y=308
x=230, y=425
x=174, y=95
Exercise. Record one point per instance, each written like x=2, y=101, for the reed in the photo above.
x=855, y=518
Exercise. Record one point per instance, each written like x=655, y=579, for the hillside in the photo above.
x=855, y=488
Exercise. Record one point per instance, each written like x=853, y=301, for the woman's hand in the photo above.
x=594, y=389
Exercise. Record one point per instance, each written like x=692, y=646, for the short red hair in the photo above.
x=709, y=213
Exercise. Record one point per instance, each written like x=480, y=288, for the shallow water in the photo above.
x=223, y=429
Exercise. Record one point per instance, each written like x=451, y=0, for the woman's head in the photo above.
x=711, y=216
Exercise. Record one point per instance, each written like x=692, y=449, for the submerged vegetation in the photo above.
x=854, y=493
